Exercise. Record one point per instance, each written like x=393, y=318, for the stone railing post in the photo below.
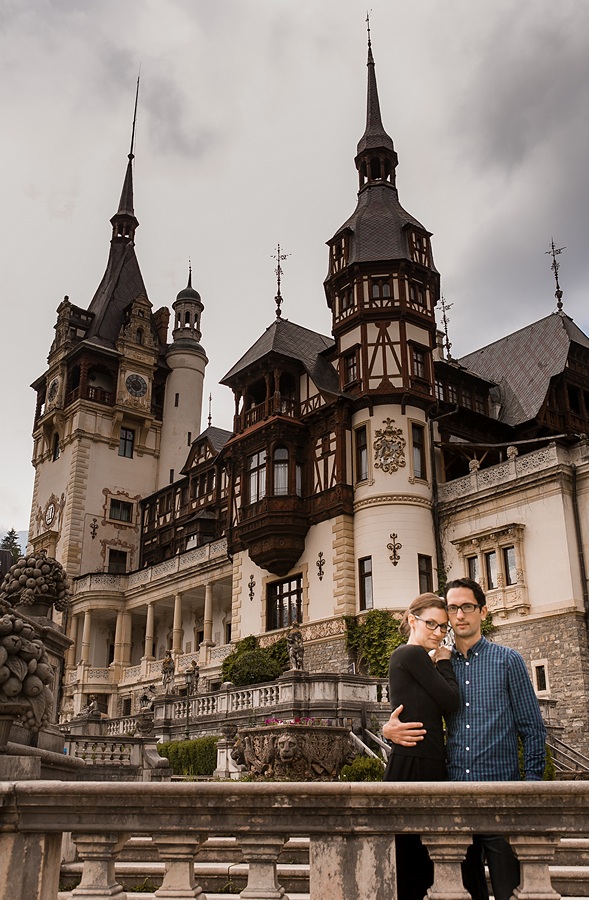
x=447, y=852
x=535, y=854
x=178, y=852
x=98, y=852
x=261, y=852
x=353, y=867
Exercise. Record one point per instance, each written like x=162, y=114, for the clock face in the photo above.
x=52, y=392
x=50, y=513
x=136, y=385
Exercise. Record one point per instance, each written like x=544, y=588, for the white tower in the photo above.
x=184, y=385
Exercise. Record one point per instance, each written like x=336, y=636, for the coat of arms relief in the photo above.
x=389, y=447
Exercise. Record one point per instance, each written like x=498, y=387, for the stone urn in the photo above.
x=34, y=584
x=294, y=751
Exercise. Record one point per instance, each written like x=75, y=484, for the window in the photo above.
x=347, y=299
x=256, y=476
x=417, y=294
x=171, y=475
x=509, y=565
x=474, y=571
x=350, y=368
x=479, y=403
x=280, y=471
x=418, y=442
x=126, y=442
x=452, y=393
x=299, y=479
x=200, y=636
x=284, y=603
x=381, y=288
x=439, y=390
x=424, y=567
x=419, y=363
x=361, y=439
x=176, y=399
x=540, y=676
x=56, y=448
x=117, y=562
x=228, y=632
x=365, y=582
x=189, y=438
x=495, y=559
x=491, y=569
x=121, y=510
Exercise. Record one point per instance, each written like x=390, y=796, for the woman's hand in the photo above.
x=441, y=653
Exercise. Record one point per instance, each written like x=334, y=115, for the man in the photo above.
x=498, y=704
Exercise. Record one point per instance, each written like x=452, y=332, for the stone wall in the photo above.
x=327, y=656
x=561, y=640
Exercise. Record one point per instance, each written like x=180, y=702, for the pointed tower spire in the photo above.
x=376, y=159
x=124, y=222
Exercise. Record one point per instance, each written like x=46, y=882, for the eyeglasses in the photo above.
x=431, y=625
x=466, y=608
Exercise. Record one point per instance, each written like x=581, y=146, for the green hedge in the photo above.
x=192, y=758
x=363, y=768
x=250, y=664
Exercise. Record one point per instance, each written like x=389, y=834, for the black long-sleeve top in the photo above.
x=427, y=692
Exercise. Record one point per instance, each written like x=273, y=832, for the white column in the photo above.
x=149, y=632
x=73, y=634
x=85, y=653
x=208, y=616
x=177, y=626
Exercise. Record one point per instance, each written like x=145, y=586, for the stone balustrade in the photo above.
x=350, y=825
x=515, y=468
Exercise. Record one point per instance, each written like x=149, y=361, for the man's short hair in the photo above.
x=474, y=586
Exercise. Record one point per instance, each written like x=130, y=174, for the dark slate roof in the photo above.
x=378, y=226
x=121, y=283
x=374, y=136
x=524, y=362
x=217, y=437
x=292, y=341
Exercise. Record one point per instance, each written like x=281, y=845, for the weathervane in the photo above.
x=554, y=252
x=278, y=256
x=445, y=321
x=210, y=412
x=368, y=11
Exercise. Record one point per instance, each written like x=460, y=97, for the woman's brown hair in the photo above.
x=424, y=601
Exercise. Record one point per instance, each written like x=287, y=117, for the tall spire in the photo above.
x=554, y=252
x=124, y=222
x=376, y=158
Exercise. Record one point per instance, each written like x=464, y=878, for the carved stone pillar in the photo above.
x=149, y=632
x=535, y=855
x=353, y=867
x=177, y=626
x=98, y=853
x=127, y=625
x=261, y=852
x=117, y=657
x=73, y=634
x=178, y=852
x=447, y=852
x=85, y=652
x=208, y=614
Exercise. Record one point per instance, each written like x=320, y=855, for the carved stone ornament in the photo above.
x=293, y=752
x=389, y=447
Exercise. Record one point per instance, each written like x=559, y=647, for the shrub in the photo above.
x=363, y=768
x=192, y=758
x=250, y=664
x=372, y=638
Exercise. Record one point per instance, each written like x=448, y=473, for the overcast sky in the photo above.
x=249, y=115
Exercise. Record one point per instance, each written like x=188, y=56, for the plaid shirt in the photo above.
x=497, y=704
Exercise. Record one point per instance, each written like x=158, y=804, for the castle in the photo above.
x=362, y=467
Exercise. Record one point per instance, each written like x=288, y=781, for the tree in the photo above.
x=10, y=543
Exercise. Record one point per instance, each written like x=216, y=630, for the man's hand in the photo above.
x=407, y=734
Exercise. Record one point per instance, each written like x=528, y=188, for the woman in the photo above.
x=421, y=678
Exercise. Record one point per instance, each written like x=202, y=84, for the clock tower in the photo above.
x=99, y=417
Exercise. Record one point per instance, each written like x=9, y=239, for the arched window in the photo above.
x=139, y=336
x=375, y=168
x=56, y=451
x=187, y=319
x=280, y=471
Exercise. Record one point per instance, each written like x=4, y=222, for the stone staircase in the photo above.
x=222, y=874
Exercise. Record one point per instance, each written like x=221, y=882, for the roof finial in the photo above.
x=278, y=256
x=189, y=272
x=131, y=154
x=445, y=322
x=210, y=408
x=368, y=11
x=554, y=252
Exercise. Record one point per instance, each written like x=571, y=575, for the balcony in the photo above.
x=350, y=826
x=273, y=406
